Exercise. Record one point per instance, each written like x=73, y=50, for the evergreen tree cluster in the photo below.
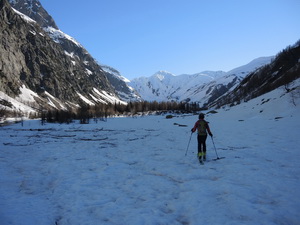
x=102, y=111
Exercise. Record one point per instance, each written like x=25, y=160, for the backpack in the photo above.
x=202, y=124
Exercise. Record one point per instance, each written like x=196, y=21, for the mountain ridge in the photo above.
x=283, y=70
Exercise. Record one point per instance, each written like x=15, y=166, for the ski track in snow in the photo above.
x=134, y=171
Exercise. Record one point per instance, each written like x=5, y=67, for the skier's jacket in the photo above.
x=202, y=126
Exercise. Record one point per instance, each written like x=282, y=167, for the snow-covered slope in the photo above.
x=244, y=70
x=200, y=87
x=134, y=170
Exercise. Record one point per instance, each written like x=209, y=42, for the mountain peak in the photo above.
x=162, y=75
x=164, y=72
x=35, y=11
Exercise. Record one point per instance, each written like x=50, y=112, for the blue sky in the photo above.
x=141, y=37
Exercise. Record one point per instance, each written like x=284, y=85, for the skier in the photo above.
x=202, y=126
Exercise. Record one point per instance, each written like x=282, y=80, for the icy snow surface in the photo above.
x=134, y=170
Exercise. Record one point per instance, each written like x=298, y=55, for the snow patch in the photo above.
x=16, y=105
x=88, y=72
x=108, y=97
x=26, y=95
x=56, y=100
x=87, y=101
x=56, y=35
x=26, y=18
x=69, y=54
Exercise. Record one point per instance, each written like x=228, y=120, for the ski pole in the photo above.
x=188, y=144
x=215, y=147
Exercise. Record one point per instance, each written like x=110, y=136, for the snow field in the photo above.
x=134, y=170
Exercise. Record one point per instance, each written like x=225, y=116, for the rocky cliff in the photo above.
x=48, y=62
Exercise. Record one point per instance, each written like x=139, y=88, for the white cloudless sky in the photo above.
x=141, y=37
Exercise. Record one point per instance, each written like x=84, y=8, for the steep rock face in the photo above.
x=12, y=59
x=76, y=52
x=30, y=57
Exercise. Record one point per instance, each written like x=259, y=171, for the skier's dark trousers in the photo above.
x=203, y=128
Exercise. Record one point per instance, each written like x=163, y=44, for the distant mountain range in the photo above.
x=201, y=87
x=43, y=68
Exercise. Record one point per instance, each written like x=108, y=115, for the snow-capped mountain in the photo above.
x=38, y=58
x=165, y=86
x=201, y=87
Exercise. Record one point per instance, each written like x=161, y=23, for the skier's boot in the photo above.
x=200, y=157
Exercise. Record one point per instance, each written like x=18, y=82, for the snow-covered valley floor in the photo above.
x=134, y=170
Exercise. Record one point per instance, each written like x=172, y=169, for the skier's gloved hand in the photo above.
x=211, y=134
x=192, y=130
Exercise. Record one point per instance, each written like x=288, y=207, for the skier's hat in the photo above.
x=201, y=116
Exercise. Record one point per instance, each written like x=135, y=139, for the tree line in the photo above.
x=102, y=111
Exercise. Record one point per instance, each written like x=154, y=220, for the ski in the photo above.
x=216, y=159
x=201, y=161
